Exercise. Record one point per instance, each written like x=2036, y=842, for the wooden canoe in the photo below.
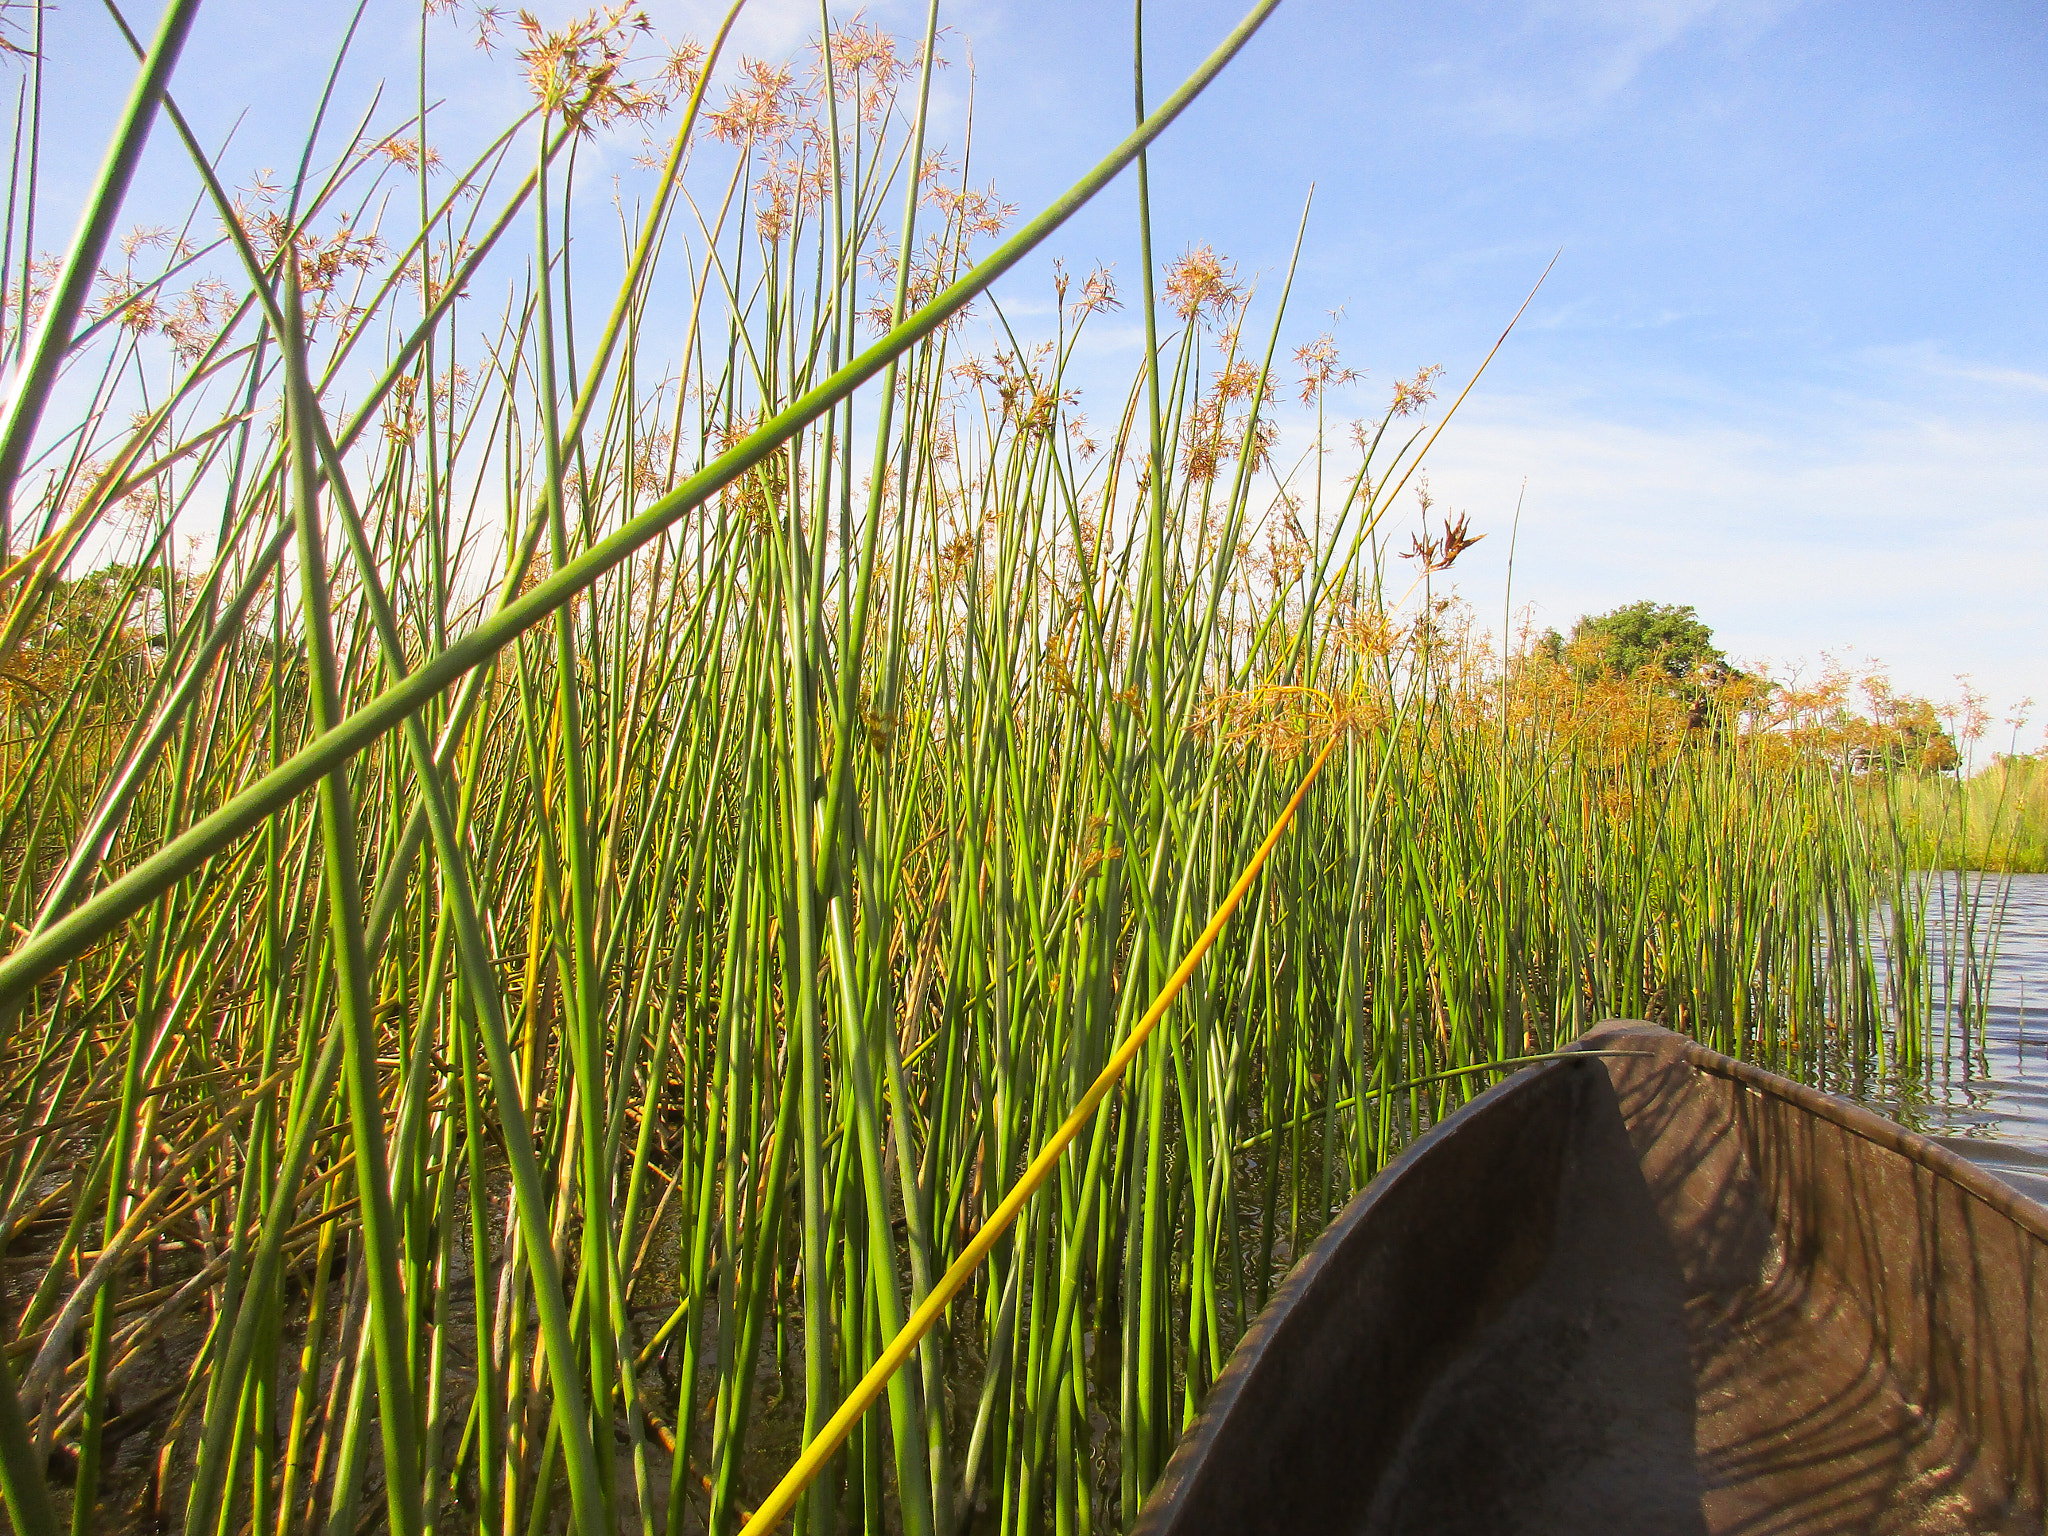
x=1647, y=1290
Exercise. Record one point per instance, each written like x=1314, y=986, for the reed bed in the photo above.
x=537, y=934
x=1993, y=820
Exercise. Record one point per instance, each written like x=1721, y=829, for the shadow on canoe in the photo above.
x=1647, y=1290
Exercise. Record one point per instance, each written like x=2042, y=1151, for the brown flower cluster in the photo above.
x=1439, y=554
x=579, y=70
x=866, y=68
x=1366, y=629
x=1285, y=721
x=758, y=494
x=972, y=212
x=652, y=472
x=189, y=319
x=404, y=418
x=1411, y=395
x=1098, y=293
x=43, y=272
x=1321, y=368
x=1201, y=285
x=1025, y=397
x=938, y=258
x=325, y=261
x=764, y=108
x=1217, y=431
x=406, y=153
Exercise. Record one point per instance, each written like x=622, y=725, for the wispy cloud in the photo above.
x=1554, y=67
x=1933, y=362
x=1917, y=536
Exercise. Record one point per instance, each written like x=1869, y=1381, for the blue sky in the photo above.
x=1791, y=366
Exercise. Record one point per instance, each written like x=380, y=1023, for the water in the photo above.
x=1984, y=1094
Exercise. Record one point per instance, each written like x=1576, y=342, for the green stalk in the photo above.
x=29, y=391
x=121, y=898
x=345, y=915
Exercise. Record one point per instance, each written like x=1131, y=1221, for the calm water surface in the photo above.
x=1985, y=1095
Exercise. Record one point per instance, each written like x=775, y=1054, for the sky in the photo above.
x=1790, y=366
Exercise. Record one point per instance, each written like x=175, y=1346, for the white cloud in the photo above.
x=1558, y=65
x=1911, y=536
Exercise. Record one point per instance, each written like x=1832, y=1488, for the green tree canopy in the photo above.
x=1910, y=735
x=1669, y=637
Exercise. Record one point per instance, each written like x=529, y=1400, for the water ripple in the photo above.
x=1985, y=1095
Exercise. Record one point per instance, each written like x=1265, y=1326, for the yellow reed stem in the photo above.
x=872, y=1385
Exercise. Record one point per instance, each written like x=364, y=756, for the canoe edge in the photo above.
x=1951, y=1167
x=1185, y=1464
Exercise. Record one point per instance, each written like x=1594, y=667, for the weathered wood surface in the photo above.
x=1651, y=1289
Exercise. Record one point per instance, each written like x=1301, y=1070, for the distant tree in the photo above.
x=1938, y=752
x=1910, y=734
x=97, y=629
x=94, y=638
x=1667, y=637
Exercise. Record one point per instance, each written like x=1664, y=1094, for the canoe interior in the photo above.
x=1655, y=1291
